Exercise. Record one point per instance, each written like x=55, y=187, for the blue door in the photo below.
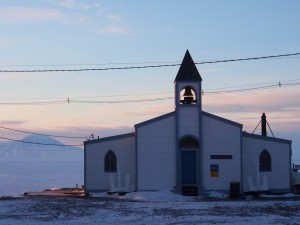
x=188, y=167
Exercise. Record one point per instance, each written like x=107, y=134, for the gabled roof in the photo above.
x=155, y=119
x=188, y=70
x=267, y=138
x=222, y=119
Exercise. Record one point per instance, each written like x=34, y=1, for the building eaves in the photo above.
x=155, y=119
x=222, y=119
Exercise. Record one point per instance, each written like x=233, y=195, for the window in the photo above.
x=110, y=162
x=265, y=161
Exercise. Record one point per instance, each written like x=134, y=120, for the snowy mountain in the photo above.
x=50, y=150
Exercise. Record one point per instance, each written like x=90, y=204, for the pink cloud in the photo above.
x=153, y=110
x=26, y=14
x=13, y=122
x=280, y=100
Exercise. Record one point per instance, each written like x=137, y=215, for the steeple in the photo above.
x=188, y=70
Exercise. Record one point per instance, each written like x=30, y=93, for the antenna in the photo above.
x=263, y=123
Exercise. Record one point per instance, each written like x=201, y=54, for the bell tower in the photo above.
x=188, y=105
x=188, y=83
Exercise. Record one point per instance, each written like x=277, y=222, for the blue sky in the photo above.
x=72, y=34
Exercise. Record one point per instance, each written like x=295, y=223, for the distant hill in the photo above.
x=21, y=151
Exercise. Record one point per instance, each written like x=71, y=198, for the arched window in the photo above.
x=265, y=163
x=110, y=162
x=188, y=142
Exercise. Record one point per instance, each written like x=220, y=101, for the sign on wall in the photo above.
x=214, y=170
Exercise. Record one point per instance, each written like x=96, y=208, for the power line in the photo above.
x=70, y=101
x=273, y=118
x=249, y=58
x=63, y=100
x=248, y=85
x=33, y=103
x=279, y=85
x=242, y=90
x=48, y=135
x=37, y=143
x=149, y=66
x=87, y=69
x=88, y=64
x=122, y=101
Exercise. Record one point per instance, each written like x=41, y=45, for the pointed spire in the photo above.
x=188, y=70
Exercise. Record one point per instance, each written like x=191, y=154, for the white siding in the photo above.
x=124, y=149
x=188, y=120
x=156, y=154
x=279, y=177
x=221, y=138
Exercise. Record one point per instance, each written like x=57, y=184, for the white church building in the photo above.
x=189, y=151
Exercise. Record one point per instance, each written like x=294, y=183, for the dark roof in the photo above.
x=188, y=70
x=222, y=119
x=267, y=138
x=155, y=119
x=111, y=138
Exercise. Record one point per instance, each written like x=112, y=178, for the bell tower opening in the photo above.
x=188, y=96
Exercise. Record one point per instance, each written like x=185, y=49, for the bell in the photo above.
x=188, y=96
x=188, y=92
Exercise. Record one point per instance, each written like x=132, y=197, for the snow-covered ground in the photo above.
x=154, y=208
x=163, y=207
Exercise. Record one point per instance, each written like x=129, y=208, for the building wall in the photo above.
x=156, y=160
x=188, y=120
x=220, y=138
x=95, y=177
x=279, y=177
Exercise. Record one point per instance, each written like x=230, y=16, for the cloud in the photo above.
x=276, y=101
x=91, y=19
x=150, y=110
x=282, y=107
x=13, y=122
x=113, y=18
x=67, y=3
x=86, y=131
x=74, y=4
x=20, y=76
x=113, y=30
x=26, y=14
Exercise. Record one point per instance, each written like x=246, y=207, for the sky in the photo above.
x=74, y=34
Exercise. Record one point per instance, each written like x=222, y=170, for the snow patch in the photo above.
x=214, y=194
x=151, y=196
